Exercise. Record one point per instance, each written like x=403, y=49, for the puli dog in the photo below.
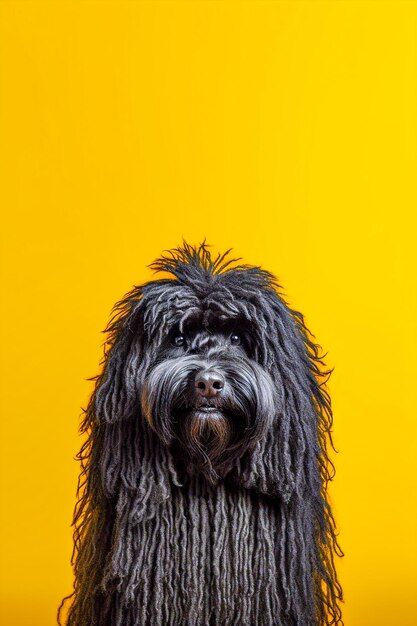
x=202, y=494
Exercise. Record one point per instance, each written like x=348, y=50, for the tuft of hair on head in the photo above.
x=175, y=260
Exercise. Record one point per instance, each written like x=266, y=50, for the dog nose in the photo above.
x=208, y=383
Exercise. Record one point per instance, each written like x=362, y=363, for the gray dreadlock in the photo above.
x=169, y=531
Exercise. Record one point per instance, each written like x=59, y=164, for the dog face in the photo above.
x=205, y=390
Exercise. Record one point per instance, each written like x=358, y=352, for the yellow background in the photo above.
x=286, y=130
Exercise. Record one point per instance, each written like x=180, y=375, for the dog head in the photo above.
x=220, y=368
x=205, y=390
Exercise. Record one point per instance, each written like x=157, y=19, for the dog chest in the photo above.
x=208, y=556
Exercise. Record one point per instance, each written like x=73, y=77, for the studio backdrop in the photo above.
x=283, y=130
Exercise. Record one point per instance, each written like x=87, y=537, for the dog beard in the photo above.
x=212, y=434
x=205, y=435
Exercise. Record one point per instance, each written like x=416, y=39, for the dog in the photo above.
x=202, y=491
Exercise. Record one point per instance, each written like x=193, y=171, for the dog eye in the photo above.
x=178, y=340
x=235, y=339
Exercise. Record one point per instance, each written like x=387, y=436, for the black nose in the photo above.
x=208, y=383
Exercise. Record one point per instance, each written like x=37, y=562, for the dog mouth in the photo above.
x=204, y=413
x=206, y=408
x=212, y=411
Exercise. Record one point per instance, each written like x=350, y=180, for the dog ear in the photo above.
x=292, y=457
x=126, y=473
x=116, y=389
x=290, y=463
x=122, y=440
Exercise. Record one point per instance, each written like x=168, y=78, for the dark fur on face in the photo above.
x=209, y=414
x=207, y=394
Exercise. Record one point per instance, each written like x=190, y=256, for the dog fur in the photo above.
x=202, y=494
